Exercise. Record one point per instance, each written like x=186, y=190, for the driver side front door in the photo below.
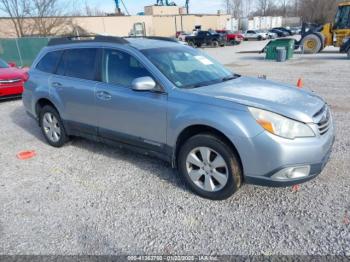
x=136, y=118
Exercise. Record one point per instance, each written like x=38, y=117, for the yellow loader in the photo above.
x=331, y=34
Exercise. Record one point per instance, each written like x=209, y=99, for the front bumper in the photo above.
x=266, y=155
x=268, y=180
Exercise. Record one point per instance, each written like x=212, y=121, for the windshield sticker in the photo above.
x=203, y=60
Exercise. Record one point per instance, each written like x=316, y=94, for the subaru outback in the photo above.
x=171, y=101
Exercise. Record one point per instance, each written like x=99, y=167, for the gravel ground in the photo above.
x=88, y=198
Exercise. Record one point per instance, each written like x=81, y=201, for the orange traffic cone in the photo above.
x=300, y=83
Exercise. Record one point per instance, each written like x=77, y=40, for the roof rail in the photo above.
x=160, y=38
x=86, y=39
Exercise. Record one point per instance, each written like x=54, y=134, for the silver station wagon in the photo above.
x=168, y=100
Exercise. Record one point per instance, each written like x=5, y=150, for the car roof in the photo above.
x=145, y=43
x=139, y=43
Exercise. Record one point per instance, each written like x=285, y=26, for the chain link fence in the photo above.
x=22, y=51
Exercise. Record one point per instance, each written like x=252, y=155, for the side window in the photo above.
x=49, y=62
x=78, y=63
x=120, y=68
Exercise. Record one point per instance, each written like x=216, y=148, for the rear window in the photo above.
x=78, y=63
x=49, y=62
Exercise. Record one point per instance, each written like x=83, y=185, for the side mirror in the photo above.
x=12, y=64
x=143, y=84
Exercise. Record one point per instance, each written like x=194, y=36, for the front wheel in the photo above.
x=191, y=44
x=210, y=167
x=215, y=43
x=312, y=43
x=52, y=127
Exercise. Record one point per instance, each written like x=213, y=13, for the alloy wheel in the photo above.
x=207, y=169
x=51, y=127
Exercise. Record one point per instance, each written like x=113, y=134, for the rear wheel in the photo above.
x=52, y=127
x=259, y=38
x=312, y=43
x=210, y=167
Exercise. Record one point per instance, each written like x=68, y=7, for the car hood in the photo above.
x=282, y=99
x=11, y=73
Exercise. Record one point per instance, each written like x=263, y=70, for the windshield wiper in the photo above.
x=207, y=83
x=195, y=85
x=231, y=77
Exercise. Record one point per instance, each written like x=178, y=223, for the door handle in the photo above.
x=103, y=95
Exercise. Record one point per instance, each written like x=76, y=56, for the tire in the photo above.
x=259, y=38
x=208, y=181
x=192, y=44
x=215, y=43
x=233, y=42
x=312, y=43
x=52, y=127
x=348, y=53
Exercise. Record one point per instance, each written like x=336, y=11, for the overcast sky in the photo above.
x=135, y=6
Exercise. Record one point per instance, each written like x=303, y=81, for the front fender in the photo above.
x=234, y=124
x=237, y=125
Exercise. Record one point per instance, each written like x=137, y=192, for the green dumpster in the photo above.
x=271, y=48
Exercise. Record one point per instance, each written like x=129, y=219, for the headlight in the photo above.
x=280, y=125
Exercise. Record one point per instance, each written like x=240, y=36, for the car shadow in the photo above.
x=141, y=161
x=26, y=123
x=9, y=98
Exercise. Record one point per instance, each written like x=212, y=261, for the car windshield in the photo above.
x=3, y=64
x=188, y=68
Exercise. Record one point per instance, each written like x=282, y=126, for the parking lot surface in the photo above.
x=89, y=198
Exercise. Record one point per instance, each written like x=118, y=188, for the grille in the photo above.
x=323, y=120
x=10, y=81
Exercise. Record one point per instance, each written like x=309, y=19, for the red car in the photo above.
x=12, y=79
x=231, y=37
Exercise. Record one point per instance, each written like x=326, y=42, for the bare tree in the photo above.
x=248, y=5
x=48, y=17
x=36, y=17
x=17, y=10
x=237, y=8
x=284, y=7
x=318, y=11
x=234, y=7
x=263, y=6
x=88, y=10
